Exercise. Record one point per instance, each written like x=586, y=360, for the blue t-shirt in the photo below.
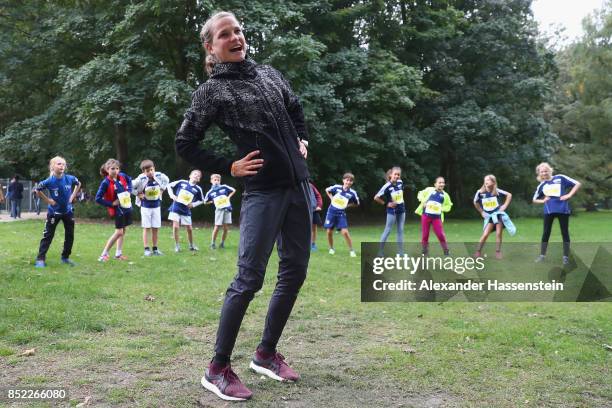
x=152, y=192
x=219, y=195
x=341, y=198
x=60, y=190
x=434, y=211
x=186, y=193
x=554, y=188
x=489, y=202
x=393, y=193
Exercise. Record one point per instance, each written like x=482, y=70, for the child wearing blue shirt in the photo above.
x=62, y=189
x=391, y=195
x=341, y=197
x=114, y=194
x=148, y=188
x=219, y=195
x=554, y=192
x=185, y=195
x=486, y=202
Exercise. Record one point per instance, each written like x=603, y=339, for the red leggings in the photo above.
x=426, y=221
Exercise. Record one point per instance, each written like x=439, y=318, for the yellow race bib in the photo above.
x=433, y=207
x=339, y=201
x=221, y=202
x=124, y=199
x=490, y=203
x=152, y=193
x=185, y=197
x=398, y=197
x=552, y=190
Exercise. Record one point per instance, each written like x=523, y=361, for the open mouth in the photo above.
x=237, y=48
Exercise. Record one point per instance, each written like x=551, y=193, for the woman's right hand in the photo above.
x=247, y=166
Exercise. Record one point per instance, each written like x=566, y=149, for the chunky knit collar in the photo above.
x=244, y=69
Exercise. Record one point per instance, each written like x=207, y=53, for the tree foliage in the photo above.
x=445, y=87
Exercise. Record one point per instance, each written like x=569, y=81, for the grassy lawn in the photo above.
x=95, y=333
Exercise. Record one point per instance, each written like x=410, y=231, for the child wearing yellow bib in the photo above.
x=434, y=202
x=219, y=195
x=185, y=195
x=341, y=197
x=487, y=203
x=148, y=188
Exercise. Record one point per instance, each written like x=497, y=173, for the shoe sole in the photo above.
x=269, y=373
x=214, y=389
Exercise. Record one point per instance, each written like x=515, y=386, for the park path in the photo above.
x=6, y=216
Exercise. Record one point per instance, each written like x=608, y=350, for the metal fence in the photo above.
x=27, y=201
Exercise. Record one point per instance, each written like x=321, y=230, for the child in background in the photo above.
x=220, y=195
x=341, y=196
x=391, y=195
x=434, y=202
x=114, y=194
x=186, y=195
x=62, y=189
x=554, y=191
x=148, y=188
x=486, y=201
x=316, y=202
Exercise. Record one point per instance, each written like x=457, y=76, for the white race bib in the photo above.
x=221, y=202
x=339, y=201
x=433, y=207
x=185, y=197
x=124, y=199
x=552, y=190
x=152, y=193
x=490, y=203
x=398, y=197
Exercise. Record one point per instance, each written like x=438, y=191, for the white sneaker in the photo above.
x=353, y=254
x=177, y=248
x=194, y=248
x=147, y=252
x=331, y=251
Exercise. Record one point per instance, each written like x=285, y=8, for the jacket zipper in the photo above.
x=293, y=178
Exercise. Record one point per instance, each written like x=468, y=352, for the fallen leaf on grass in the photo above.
x=28, y=352
x=409, y=350
x=607, y=347
x=149, y=298
x=532, y=314
x=85, y=402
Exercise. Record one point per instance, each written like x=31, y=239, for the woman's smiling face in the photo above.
x=228, y=43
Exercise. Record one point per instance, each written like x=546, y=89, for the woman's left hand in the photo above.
x=303, y=149
x=565, y=197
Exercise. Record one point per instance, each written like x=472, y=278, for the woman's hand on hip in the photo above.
x=247, y=166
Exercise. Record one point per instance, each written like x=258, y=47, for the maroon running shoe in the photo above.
x=226, y=385
x=274, y=366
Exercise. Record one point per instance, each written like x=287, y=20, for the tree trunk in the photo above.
x=121, y=143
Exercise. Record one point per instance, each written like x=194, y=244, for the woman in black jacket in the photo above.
x=256, y=107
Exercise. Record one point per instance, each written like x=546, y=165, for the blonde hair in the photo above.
x=107, y=164
x=215, y=175
x=53, y=161
x=207, y=34
x=391, y=170
x=539, y=166
x=483, y=189
x=350, y=176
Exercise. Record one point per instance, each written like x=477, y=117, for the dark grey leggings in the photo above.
x=282, y=215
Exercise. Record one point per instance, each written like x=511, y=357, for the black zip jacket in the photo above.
x=256, y=107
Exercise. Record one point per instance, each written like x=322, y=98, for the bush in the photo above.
x=89, y=209
x=521, y=208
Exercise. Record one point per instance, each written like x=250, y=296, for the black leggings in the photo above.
x=564, y=224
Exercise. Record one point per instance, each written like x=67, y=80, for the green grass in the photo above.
x=95, y=333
